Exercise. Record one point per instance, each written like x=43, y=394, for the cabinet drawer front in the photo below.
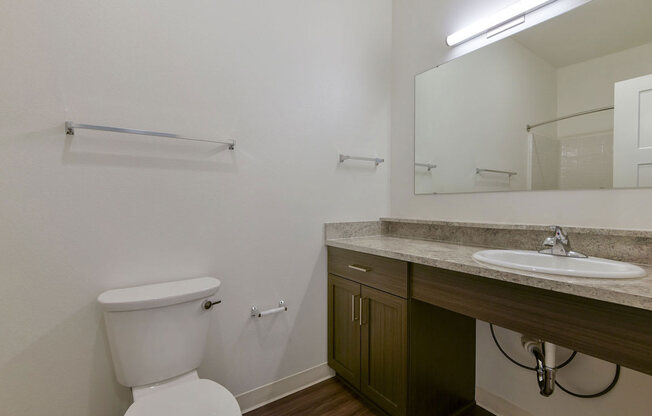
x=388, y=275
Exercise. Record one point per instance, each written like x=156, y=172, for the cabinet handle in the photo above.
x=358, y=268
x=353, y=318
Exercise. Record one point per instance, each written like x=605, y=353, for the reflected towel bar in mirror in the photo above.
x=376, y=160
x=430, y=166
x=478, y=171
x=70, y=130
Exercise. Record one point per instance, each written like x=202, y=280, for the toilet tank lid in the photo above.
x=158, y=294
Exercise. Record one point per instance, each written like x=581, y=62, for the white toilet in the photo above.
x=157, y=334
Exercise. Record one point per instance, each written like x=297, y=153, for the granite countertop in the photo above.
x=630, y=292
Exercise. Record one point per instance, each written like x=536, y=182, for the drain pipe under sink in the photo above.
x=544, y=353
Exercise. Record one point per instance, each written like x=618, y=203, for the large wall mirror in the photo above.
x=566, y=104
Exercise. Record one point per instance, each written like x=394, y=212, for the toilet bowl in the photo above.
x=199, y=397
x=157, y=335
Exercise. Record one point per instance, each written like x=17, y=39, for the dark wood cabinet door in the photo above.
x=344, y=328
x=384, y=350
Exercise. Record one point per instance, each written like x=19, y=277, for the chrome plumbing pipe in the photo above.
x=544, y=354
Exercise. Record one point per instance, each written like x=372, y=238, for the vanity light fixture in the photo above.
x=499, y=22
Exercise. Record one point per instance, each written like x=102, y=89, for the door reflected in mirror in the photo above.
x=566, y=104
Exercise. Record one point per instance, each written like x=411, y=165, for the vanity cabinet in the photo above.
x=427, y=367
x=368, y=326
x=405, y=356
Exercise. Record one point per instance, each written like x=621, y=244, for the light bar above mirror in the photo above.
x=505, y=19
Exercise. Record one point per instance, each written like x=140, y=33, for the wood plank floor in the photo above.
x=328, y=398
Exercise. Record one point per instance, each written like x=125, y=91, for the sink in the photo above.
x=534, y=261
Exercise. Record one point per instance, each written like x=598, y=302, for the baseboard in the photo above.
x=497, y=405
x=268, y=393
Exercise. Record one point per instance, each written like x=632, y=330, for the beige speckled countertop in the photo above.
x=630, y=292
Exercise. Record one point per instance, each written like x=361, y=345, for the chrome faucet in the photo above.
x=559, y=244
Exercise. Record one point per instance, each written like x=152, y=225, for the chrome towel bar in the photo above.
x=70, y=130
x=504, y=172
x=376, y=160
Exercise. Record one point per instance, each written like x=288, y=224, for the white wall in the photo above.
x=419, y=30
x=469, y=115
x=294, y=82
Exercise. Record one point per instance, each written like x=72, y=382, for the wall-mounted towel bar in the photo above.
x=376, y=160
x=430, y=166
x=256, y=313
x=504, y=172
x=70, y=130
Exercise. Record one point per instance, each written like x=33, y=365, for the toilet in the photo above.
x=157, y=335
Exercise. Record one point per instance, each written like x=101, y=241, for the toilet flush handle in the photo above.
x=208, y=304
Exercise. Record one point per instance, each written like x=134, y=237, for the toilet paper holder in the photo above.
x=257, y=313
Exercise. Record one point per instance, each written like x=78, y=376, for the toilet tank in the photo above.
x=157, y=331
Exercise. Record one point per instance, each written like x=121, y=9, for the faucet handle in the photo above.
x=560, y=235
x=559, y=244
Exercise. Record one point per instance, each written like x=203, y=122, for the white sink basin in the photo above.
x=568, y=266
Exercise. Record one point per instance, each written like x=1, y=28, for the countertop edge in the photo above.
x=535, y=280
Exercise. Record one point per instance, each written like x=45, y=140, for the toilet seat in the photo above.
x=199, y=397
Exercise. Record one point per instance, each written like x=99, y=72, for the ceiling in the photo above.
x=598, y=28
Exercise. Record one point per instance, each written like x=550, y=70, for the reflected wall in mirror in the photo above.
x=591, y=67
